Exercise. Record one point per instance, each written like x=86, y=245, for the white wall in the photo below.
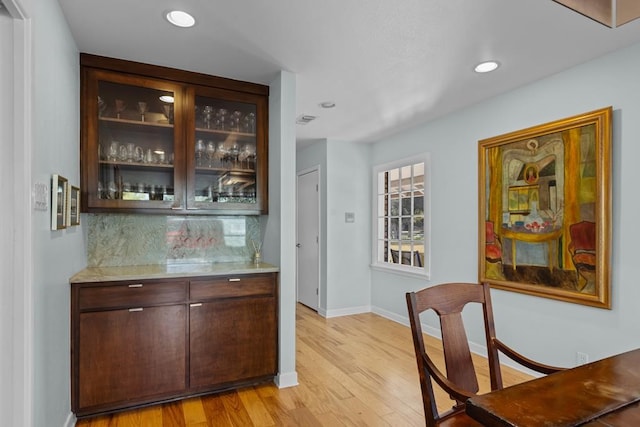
x=279, y=226
x=56, y=254
x=345, y=247
x=548, y=330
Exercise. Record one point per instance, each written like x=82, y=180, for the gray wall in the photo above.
x=549, y=330
x=57, y=254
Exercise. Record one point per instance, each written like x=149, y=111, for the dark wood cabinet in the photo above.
x=148, y=341
x=241, y=313
x=159, y=140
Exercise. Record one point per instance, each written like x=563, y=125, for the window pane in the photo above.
x=406, y=228
x=406, y=203
x=418, y=204
x=418, y=228
x=394, y=205
x=394, y=228
x=393, y=180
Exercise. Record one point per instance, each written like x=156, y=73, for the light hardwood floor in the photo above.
x=355, y=370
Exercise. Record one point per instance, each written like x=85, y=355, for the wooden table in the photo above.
x=598, y=394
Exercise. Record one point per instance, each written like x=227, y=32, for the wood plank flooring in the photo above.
x=355, y=370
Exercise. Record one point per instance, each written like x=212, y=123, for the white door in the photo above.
x=308, y=232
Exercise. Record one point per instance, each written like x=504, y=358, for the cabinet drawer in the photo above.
x=232, y=286
x=130, y=294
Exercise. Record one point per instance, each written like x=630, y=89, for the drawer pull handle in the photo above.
x=198, y=304
x=234, y=280
x=131, y=310
x=136, y=285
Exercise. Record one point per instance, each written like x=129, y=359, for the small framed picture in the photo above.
x=74, y=205
x=59, y=194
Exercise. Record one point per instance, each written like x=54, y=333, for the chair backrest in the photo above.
x=583, y=235
x=448, y=301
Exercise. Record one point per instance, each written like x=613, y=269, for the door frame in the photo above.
x=20, y=215
x=315, y=168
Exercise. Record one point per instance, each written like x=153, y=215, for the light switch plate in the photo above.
x=40, y=196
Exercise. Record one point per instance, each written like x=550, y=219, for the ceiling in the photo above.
x=387, y=65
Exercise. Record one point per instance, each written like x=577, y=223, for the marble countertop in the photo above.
x=162, y=271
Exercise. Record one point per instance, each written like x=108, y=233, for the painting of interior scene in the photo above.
x=540, y=220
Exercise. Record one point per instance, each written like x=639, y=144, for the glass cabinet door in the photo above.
x=224, y=153
x=134, y=161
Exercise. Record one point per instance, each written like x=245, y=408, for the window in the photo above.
x=401, y=223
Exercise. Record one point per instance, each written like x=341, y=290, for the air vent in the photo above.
x=304, y=119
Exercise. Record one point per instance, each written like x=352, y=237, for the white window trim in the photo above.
x=423, y=272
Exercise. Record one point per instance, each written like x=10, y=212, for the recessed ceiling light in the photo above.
x=487, y=66
x=180, y=19
x=328, y=104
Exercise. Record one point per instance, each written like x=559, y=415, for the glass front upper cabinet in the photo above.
x=161, y=140
x=225, y=153
x=134, y=141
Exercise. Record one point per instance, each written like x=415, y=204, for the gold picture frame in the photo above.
x=74, y=206
x=545, y=210
x=59, y=197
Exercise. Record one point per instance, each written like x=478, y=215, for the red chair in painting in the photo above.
x=583, y=253
x=493, y=250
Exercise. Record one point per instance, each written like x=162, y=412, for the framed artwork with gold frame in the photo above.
x=59, y=196
x=545, y=209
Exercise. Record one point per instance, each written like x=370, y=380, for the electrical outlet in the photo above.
x=582, y=358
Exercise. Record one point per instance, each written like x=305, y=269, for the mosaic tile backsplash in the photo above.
x=119, y=240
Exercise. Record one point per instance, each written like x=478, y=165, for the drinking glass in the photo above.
x=120, y=107
x=207, y=115
x=142, y=108
x=222, y=117
x=200, y=149
x=210, y=152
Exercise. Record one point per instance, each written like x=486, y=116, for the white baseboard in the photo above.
x=346, y=311
x=71, y=420
x=286, y=379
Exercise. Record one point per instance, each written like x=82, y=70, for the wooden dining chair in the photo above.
x=460, y=381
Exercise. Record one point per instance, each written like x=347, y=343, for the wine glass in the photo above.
x=168, y=112
x=251, y=122
x=102, y=106
x=200, y=149
x=236, y=117
x=244, y=155
x=222, y=116
x=210, y=152
x=142, y=108
x=207, y=114
x=120, y=107
x=233, y=154
x=221, y=152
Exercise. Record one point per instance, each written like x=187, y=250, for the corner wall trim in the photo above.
x=286, y=379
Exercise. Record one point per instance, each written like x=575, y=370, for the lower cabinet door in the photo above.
x=131, y=356
x=232, y=340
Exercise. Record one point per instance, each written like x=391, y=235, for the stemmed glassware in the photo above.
x=142, y=108
x=168, y=112
x=200, y=149
x=221, y=152
x=244, y=155
x=210, y=152
x=233, y=154
x=236, y=117
x=249, y=123
x=102, y=106
x=120, y=107
x=222, y=116
x=207, y=115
